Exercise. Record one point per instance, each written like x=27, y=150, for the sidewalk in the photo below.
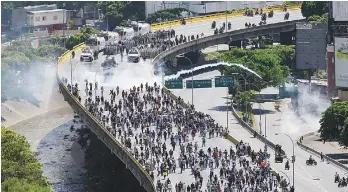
x=332, y=149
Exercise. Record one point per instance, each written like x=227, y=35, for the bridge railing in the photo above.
x=104, y=135
x=165, y=24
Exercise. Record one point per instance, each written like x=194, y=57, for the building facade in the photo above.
x=205, y=7
x=46, y=20
x=19, y=15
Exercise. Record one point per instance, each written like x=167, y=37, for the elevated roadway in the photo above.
x=133, y=74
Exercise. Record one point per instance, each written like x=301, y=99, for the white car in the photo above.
x=134, y=55
x=87, y=54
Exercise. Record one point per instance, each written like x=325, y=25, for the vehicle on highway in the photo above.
x=311, y=161
x=109, y=65
x=134, y=55
x=125, y=32
x=87, y=54
x=97, y=44
x=278, y=156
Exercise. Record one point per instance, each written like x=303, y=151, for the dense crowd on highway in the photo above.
x=167, y=138
x=170, y=139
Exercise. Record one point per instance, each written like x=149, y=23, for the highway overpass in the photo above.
x=304, y=183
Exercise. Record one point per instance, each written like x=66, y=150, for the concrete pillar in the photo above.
x=235, y=44
x=286, y=38
x=331, y=84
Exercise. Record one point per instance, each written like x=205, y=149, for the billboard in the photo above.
x=340, y=10
x=311, y=46
x=341, y=62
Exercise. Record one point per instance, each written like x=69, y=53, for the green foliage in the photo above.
x=291, y=3
x=117, y=12
x=273, y=64
x=18, y=162
x=319, y=19
x=22, y=185
x=334, y=118
x=166, y=15
x=80, y=37
x=311, y=8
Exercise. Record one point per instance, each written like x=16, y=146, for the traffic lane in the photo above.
x=236, y=23
x=302, y=175
x=295, y=128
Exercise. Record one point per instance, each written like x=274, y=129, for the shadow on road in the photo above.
x=262, y=111
x=221, y=108
x=340, y=157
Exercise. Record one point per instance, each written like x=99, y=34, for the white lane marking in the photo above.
x=315, y=181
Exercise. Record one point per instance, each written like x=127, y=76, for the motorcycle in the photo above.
x=337, y=178
x=287, y=166
x=311, y=162
x=270, y=14
x=213, y=25
x=286, y=16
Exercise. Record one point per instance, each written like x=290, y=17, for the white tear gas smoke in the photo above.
x=306, y=111
x=125, y=75
x=40, y=82
x=186, y=71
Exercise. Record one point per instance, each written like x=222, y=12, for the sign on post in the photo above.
x=174, y=84
x=205, y=83
x=223, y=81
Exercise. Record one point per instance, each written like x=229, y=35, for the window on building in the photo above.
x=44, y=18
x=37, y=18
x=55, y=17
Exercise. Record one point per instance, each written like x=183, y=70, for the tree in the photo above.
x=310, y=8
x=333, y=122
x=116, y=12
x=166, y=15
x=22, y=185
x=19, y=163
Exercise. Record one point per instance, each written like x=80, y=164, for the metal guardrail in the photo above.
x=209, y=17
x=327, y=158
x=120, y=151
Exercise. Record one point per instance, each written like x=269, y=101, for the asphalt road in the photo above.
x=307, y=178
x=211, y=101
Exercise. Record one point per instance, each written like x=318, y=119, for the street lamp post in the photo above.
x=226, y=17
x=293, y=157
x=191, y=77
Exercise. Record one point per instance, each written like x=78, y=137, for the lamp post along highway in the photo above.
x=292, y=158
x=226, y=17
x=191, y=77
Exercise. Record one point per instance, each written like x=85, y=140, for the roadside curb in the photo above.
x=327, y=158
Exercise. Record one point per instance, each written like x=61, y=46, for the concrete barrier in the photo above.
x=252, y=130
x=317, y=153
x=211, y=17
x=96, y=127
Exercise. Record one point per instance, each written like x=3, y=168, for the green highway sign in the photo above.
x=223, y=81
x=174, y=84
x=205, y=83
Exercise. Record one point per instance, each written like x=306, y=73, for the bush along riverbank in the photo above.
x=20, y=170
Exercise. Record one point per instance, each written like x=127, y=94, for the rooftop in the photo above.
x=46, y=11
